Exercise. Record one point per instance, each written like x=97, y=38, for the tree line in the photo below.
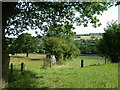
x=87, y=46
x=63, y=45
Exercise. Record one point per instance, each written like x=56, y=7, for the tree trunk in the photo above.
x=5, y=60
x=48, y=56
x=26, y=54
x=7, y=11
x=5, y=68
x=105, y=60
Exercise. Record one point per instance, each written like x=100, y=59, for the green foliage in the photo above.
x=41, y=44
x=25, y=43
x=59, y=42
x=11, y=46
x=86, y=46
x=62, y=31
x=35, y=15
x=60, y=48
x=73, y=51
x=109, y=44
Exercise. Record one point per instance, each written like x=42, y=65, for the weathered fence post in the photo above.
x=81, y=62
x=105, y=60
x=44, y=63
x=50, y=63
x=11, y=68
x=22, y=67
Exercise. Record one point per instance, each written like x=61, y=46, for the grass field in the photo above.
x=88, y=37
x=68, y=75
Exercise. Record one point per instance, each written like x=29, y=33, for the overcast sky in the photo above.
x=109, y=15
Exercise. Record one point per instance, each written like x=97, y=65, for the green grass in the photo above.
x=85, y=37
x=88, y=60
x=69, y=75
x=89, y=37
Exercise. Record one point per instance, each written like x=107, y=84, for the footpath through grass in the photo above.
x=69, y=75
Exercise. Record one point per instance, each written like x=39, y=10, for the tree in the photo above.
x=109, y=45
x=6, y=14
x=44, y=15
x=61, y=48
x=25, y=43
x=23, y=14
x=55, y=46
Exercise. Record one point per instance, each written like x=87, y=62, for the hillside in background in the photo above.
x=89, y=36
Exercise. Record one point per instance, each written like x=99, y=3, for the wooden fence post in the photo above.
x=11, y=68
x=44, y=63
x=22, y=67
x=105, y=60
x=50, y=63
x=81, y=63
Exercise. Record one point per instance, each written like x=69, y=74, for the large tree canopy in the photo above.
x=43, y=15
